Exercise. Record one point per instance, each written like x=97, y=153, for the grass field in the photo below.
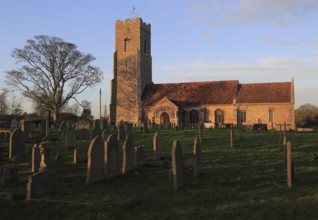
x=244, y=182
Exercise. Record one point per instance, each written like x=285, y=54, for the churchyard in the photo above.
x=245, y=181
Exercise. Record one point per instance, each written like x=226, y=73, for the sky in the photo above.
x=208, y=40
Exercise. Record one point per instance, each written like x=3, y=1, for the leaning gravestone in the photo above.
x=40, y=184
x=36, y=158
x=128, y=154
x=79, y=156
x=13, y=124
x=139, y=156
x=197, y=157
x=177, y=166
x=156, y=147
x=111, y=157
x=8, y=176
x=95, y=164
x=17, y=144
x=70, y=139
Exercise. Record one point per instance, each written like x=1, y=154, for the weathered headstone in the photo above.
x=156, y=147
x=139, y=156
x=128, y=155
x=8, y=176
x=17, y=144
x=197, y=157
x=121, y=131
x=45, y=164
x=40, y=184
x=36, y=158
x=70, y=139
x=111, y=157
x=80, y=156
x=95, y=164
x=290, y=173
x=105, y=134
x=177, y=165
x=13, y=124
x=27, y=128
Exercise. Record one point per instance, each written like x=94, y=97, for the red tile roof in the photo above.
x=194, y=93
x=264, y=93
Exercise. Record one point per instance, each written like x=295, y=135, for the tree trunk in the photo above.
x=55, y=116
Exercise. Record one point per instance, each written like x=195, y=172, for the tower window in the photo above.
x=145, y=46
x=126, y=45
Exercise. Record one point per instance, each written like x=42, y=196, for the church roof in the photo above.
x=217, y=92
x=279, y=92
x=193, y=93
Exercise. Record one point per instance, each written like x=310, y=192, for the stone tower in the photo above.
x=132, y=70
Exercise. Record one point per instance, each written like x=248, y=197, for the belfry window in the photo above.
x=145, y=46
x=126, y=45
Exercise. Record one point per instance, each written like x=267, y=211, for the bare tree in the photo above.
x=54, y=72
x=4, y=104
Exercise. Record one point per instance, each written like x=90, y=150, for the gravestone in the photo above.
x=111, y=156
x=105, y=134
x=232, y=137
x=13, y=124
x=62, y=131
x=45, y=163
x=36, y=158
x=40, y=184
x=139, y=156
x=8, y=176
x=27, y=128
x=200, y=134
x=290, y=167
x=17, y=144
x=95, y=164
x=96, y=128
x=128, y=155
x=70, y=139
x=177, y=166
x=197, y=157
x=156, y=147
x=128, y=128
x=80, y=155
x=121, y=131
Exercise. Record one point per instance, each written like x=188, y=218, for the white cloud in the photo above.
x=281, y=13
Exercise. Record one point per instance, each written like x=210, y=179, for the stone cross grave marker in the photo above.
x=95, y=164
x=128, y=155
x=17, y=144
x=111, y=156
x=177, y=166
x=197, y=157
x=156, y=146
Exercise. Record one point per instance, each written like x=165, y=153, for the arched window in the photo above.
x=219, y=117
x=194, y=117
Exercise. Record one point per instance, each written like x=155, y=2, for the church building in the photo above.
x=135, y=98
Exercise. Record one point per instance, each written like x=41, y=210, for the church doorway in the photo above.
x=219, y=118
x=164, y=118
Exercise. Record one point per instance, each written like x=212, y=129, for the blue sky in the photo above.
x=206, y=40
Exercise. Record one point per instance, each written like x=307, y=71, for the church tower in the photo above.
x=132, y=70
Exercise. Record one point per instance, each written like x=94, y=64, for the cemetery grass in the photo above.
x=244, y=182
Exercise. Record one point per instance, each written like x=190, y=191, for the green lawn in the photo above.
x=244, y=182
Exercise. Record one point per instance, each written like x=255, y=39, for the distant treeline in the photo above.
x=307, y=115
